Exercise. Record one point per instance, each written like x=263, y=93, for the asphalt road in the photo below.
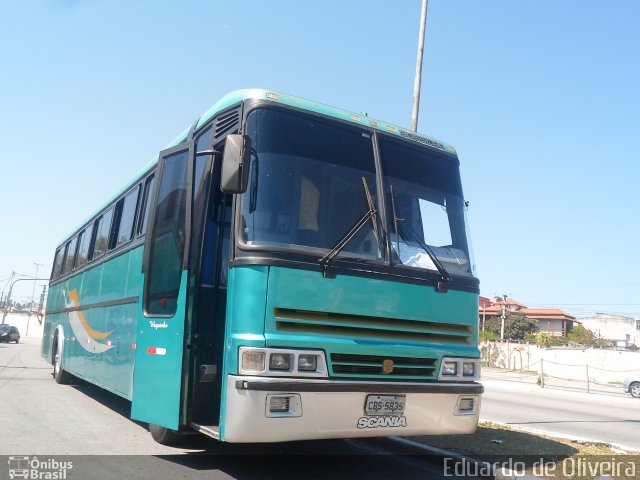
x=61, y=422
x=612, y=418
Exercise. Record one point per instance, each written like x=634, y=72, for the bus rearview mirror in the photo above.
x=235, y=164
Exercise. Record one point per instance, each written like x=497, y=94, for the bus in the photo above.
x=283, y=270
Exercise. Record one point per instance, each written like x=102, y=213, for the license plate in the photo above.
x=385, y=405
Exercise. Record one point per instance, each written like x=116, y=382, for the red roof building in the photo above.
x=550, y=320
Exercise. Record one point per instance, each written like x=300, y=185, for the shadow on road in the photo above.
x=201, y=455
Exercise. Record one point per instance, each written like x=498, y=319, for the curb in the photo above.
x=623, y=448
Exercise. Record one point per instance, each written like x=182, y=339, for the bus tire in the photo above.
x=59, y=375
x=164, y=436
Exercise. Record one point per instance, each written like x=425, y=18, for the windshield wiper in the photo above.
x=444, y=275
x=326, y=260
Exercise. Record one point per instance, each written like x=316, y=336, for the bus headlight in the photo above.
x=468, y=369
x=277, y=362
x=450, y=368
x=307, y=363
x=460, y=369
x=252, y=361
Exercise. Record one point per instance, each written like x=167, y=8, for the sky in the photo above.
x=540, y=99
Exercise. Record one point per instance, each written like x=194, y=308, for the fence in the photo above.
x=584, y=368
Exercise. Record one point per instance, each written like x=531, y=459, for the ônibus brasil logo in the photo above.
x=36, y=469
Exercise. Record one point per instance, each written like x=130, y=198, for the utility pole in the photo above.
x=4, y=300
x=483, y=315
x=4, y=315
x=41, y=304
x=504, y=316
x=38, y=265
x=418, y=79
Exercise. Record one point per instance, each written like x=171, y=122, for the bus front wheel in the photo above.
x=164, y=436
x=59, y=375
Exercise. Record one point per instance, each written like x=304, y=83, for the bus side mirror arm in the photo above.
x=235, y=164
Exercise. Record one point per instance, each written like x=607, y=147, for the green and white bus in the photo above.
x=284, y=270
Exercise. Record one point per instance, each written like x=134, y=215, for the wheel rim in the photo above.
x=635, y=390
x=56, y=361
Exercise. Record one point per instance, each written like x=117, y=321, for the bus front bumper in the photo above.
x=317, y=409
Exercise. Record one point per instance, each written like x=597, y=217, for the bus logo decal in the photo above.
x=382, y=422
x=387, y=366
x=81, y=328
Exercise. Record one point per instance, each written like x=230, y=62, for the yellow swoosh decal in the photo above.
x=96, y=335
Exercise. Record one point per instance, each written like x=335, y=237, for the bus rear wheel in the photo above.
x=165, y=436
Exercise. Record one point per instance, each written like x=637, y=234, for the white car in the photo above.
x=632, y=386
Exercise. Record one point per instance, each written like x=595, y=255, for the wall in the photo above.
x=605, y=366
x=613, y=327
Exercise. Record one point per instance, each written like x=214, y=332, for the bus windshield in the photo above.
x=308, y=188
x=426, y=208
x=308, y=185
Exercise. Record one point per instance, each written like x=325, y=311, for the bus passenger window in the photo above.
x=57, y=264
x=126, y=209
x=83, y=248
x=101, y=234
x=224, y=248
x=163, y=278
x=147, y=197
x=69, y=256
x=209, y=253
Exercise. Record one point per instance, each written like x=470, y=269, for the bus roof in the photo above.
x=237, y=96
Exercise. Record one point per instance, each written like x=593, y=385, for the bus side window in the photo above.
x=209, y=253
x=168, y=234
x=69, y=255
x=100, y=238
x=226, y=234
x=83, y=248
x=210, y=263
x=57, y=264
x=145, y=204
x=125, y=215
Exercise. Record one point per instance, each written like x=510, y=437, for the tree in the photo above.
x=516, y=325
x=487, y=336
x=583, y=336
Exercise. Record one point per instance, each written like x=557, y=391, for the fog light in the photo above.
x=307, y=363
x=253, y=361
x=466, y=406
x=450, y=368
x=279, y=404
x=279, y=361
x=469, y=369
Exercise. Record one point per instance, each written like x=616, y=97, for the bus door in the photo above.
x=208, y=269
x=160, y=343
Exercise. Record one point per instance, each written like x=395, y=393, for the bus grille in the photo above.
x=358, y=326
x=373, y=365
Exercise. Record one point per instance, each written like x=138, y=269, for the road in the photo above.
x=570, y=414
x=41, y=418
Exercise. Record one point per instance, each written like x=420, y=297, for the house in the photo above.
x=550, y=320
x=624, y=331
